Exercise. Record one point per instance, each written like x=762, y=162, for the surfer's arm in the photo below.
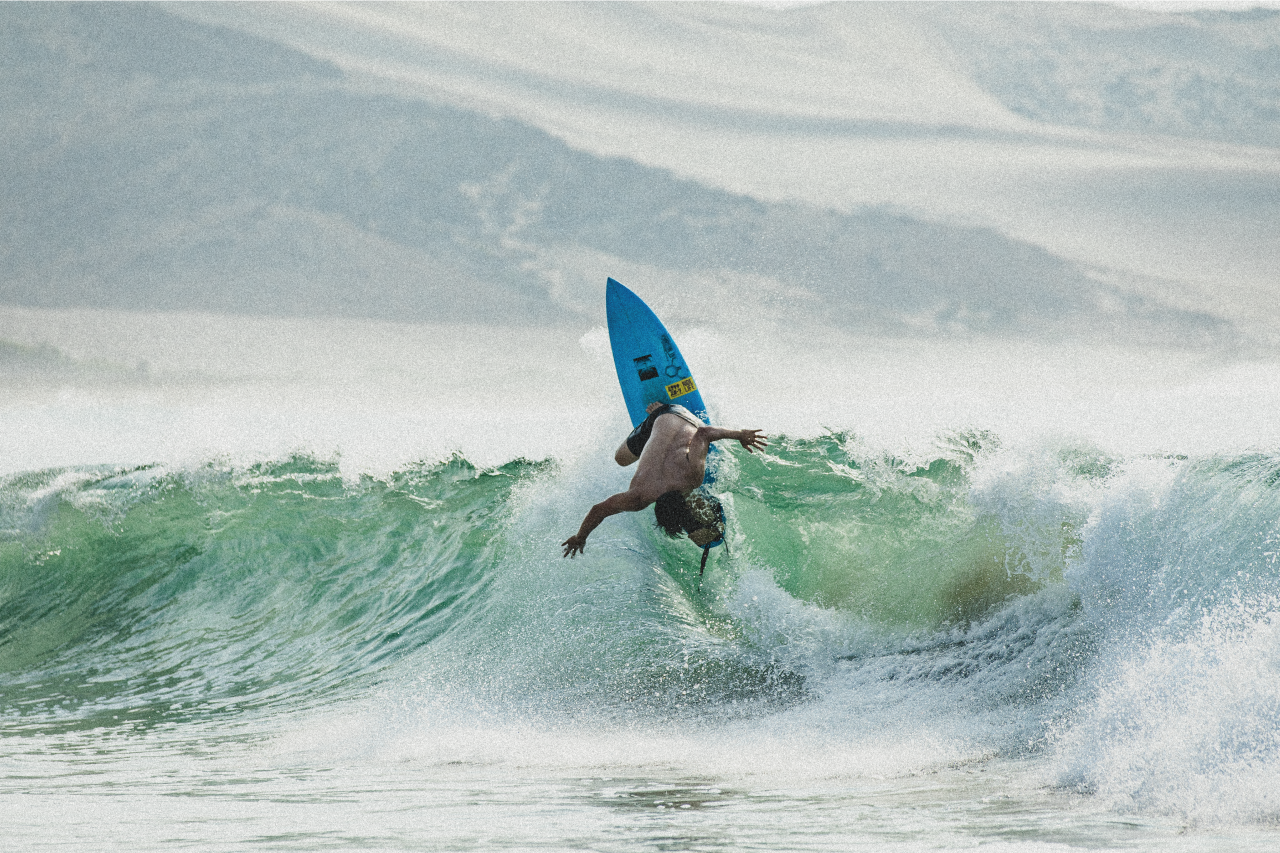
x=751, y=439
x=628, y=501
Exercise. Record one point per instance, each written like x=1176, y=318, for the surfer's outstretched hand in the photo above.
x=574, y=545
x=752, y=440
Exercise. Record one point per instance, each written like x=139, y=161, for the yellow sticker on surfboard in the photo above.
x=679, y=389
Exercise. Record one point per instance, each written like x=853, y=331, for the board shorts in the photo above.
x=640, y=435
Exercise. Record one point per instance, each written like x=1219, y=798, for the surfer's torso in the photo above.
x=672, y=458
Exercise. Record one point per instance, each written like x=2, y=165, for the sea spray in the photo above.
x=1179, y=572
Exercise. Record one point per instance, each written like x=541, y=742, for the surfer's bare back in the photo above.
x=671, y=446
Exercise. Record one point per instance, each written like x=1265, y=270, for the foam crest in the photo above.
x=1187, y=725
x=1173, y=538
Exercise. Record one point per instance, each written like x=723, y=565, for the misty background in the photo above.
x=158, y=163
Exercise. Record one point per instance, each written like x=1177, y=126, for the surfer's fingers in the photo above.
x=753, y=440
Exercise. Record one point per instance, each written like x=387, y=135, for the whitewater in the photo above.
x=279, y=531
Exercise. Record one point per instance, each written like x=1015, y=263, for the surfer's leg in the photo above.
x=640, y=435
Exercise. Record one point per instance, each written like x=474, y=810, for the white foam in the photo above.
x=1187, y=725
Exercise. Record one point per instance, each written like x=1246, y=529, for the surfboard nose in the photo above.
x=615, y=292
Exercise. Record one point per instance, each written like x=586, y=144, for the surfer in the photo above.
x=671, y=447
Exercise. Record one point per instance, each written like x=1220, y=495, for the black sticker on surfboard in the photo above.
x=644, y=368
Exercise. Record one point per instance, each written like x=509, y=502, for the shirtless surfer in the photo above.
x=671, y=446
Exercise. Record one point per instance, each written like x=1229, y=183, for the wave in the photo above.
x=142, y=595
x=1114, y=616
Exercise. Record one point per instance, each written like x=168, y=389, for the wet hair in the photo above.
x=673, y=515
x=699, y=515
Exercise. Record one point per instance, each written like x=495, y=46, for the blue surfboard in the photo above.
x=649, y=364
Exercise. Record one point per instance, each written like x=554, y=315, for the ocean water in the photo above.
x=1025, y=643
x=304, y=376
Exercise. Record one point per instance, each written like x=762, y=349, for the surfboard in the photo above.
x=649, y=364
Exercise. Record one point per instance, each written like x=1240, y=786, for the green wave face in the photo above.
x=137, y=593
x=895, y=543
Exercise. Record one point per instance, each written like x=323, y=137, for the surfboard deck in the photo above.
x=650, y=366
